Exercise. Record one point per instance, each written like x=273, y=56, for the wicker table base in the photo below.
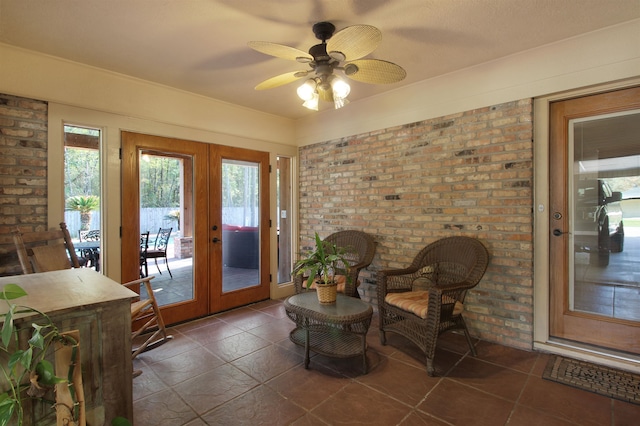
x=338, y=330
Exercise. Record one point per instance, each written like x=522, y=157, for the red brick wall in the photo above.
x=23, y=173
x=463, y=174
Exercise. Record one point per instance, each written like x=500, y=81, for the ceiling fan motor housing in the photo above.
x=323, y=30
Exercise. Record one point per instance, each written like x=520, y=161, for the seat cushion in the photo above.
x=417, y=302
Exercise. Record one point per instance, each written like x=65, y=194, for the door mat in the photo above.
x=602, y=380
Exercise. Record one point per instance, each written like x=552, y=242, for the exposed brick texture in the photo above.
x=23, y=173
x=469, y=174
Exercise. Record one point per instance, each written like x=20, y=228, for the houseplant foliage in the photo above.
x=84, y=204
x=27, y=373
x=322, y=263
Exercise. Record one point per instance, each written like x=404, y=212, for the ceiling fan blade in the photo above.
x=374, y=71
x=280, y=51
x=355, y=41
x=281, y=80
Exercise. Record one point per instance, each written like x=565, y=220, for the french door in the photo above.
x=595, y=220
x=216, y=189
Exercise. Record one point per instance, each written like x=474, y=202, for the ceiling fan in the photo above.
x=341, y=51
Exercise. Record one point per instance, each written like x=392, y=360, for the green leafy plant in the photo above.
x=27, y=373
x=120, y=421
x=84, y=204
x=322, y=263
x=174, y=215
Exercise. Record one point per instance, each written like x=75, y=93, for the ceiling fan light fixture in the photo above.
x=345, y=50
x=339, y=102
x=340, y=88
x=307, y=90
x=312, y=103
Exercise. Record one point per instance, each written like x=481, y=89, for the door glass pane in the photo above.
x=605, y=215
x=166, y=224
x=82, y=192
x=240, y=225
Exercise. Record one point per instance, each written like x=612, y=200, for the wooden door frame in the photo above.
x=582, y=327
x=130, y=221
x=542, y=232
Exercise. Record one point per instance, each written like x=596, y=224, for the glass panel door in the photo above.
x=164, y=223
x=240, y=226
x=594, y=242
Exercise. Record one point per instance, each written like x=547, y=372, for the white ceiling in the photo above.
x=200, y=46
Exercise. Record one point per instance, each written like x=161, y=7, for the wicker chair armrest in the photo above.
x=394, y=281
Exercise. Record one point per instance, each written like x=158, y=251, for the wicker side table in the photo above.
x=338, y=330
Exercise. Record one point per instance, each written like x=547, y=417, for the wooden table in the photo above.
x=336, y=330
x=84, y=300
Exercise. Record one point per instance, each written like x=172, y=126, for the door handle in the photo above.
x=215, y=239
x=558, y=232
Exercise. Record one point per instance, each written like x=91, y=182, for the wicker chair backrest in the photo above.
x=453, y=259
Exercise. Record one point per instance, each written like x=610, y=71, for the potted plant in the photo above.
x=322, y=264
x=28, y=374
x=84, y=204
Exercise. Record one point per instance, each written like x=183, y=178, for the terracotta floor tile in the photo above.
x=147, y=383
x=274, y=331
x=309, y=420
x=215, y=387
x=525, y=416
x=491, y=378
x=418, y=418
x=540, y=365
x=401, y=381
x=566, y=402
x=625, y=413
x=213, y=332
x=196, y=422
x=268, y=363
x=462, y=405
x=308, y=388
x=248, y=319
x=192, y=325
x=162, y=408
x=236, y=346
x=185, y=366
x=179, y=344
x=259, y=406
x=214, y=373
x=275, y=310
x=513, y=358
x=357, y=404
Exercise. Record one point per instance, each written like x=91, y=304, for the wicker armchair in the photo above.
x=361, y=249
x=426, y=299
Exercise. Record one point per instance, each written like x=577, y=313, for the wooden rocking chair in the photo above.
x=146, y=318
x=45, y=251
